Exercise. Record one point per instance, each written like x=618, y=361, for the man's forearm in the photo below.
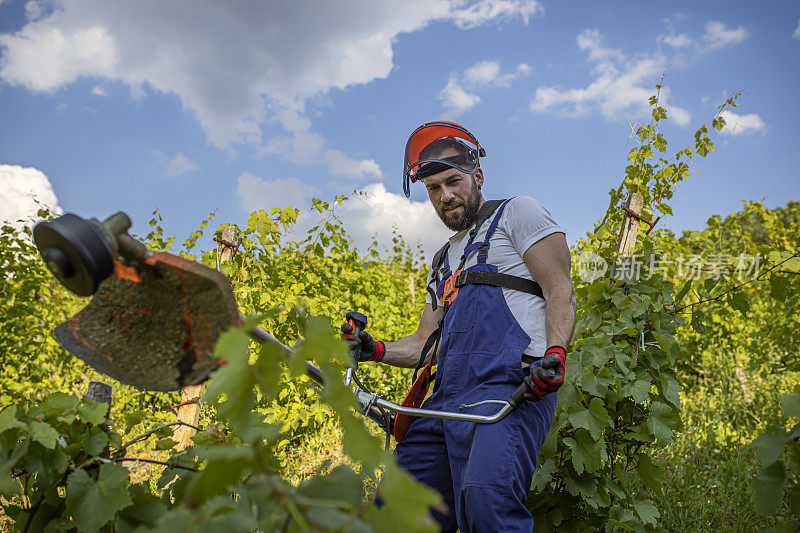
x=405, y=352
x=560, y=316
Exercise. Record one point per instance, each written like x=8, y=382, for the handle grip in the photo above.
x=518, y=397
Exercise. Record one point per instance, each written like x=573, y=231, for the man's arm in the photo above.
x=549, y=263
x=405, y=352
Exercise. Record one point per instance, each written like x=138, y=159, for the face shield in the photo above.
x=455, y=148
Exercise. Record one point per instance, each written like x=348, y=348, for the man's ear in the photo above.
x=479, y=177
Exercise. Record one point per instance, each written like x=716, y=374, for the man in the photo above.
x=508, y=320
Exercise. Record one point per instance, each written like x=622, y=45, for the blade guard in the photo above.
x=154, y=326
x=414, y=398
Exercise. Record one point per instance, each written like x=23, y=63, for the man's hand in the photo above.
x=548, y=376
x=362, y=346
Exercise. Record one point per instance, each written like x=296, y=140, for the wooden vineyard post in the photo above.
x=99, y=392
x=630, y=228
x=189, y=408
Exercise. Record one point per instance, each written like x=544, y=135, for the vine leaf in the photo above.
x=740, y=302
x=769, y=445
x=44, y=434
x=94, y=503
x=588, y=454
x=8, y=419
x=594, y=419
x=58, y=403
x=790, y=404
x=9, y=486
x=768, y=487
x=647, y=511
x=93, y=412
x=662, y=421
x=234, y=381
x=778, y=287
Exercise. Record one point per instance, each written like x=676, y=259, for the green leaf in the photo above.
x=58, y=403
x=790, y=405
x=342, y=483
x=93, y=504
x=235, y=381
x=596, y=384
x=663, y=420
x=640, y=389
x=9, y=486
x=165, y=444
x=697, y=321
x=769, y=445
x=96, y=442
x=44, y=434
x=778, y=287
x=650, y=474
x=684, y=290
x=740, y=302
x=585, y=487
x=587, y=453
x=647, y=511
x=768, y=487
x=8, y=419
x=93, y=412
x=543, y=475
x=671, y=388
x=406, y=504
x=226, y=466
x=594, y=419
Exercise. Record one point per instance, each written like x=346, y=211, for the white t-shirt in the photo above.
x=524, y=222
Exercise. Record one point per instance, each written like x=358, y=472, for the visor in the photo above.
x=416, y=168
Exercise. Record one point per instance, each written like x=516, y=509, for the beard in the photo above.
x=471, y=206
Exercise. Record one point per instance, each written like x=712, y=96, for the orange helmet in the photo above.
x=416, y=167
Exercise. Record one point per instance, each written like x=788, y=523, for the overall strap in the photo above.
x=483, y=246
x=496, y=279
x=486, y=210
x=440, y=260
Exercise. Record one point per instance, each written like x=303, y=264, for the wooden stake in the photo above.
x=630, y=227
x=189, y=410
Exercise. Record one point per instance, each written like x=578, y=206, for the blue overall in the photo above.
x=483, y=471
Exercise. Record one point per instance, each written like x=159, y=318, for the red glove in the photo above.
x=547, y=376
x=363, y=347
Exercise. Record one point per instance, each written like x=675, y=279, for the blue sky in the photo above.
x=234, y=106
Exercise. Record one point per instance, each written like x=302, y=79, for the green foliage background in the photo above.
x=680, y=410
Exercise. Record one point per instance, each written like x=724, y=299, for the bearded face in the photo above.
x=458, y=213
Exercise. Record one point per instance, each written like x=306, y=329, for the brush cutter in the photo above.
x=154, y=318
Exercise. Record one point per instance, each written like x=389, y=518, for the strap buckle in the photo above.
x=461, y=278
x=450, y=289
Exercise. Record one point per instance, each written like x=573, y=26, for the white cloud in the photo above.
x=620, y=89
x=179, y=164
x=796, y=34
x=381, y=211
x=32, y=10
x=458, y=96
x=676, y=40
x=480, y=12
x=19, y=186
x=304, y=147
x=738, y=124
x=342, y=165
x=260, y=58
x=99, y=91
x=256, y=193
x=455, y=99
x=718, y=35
